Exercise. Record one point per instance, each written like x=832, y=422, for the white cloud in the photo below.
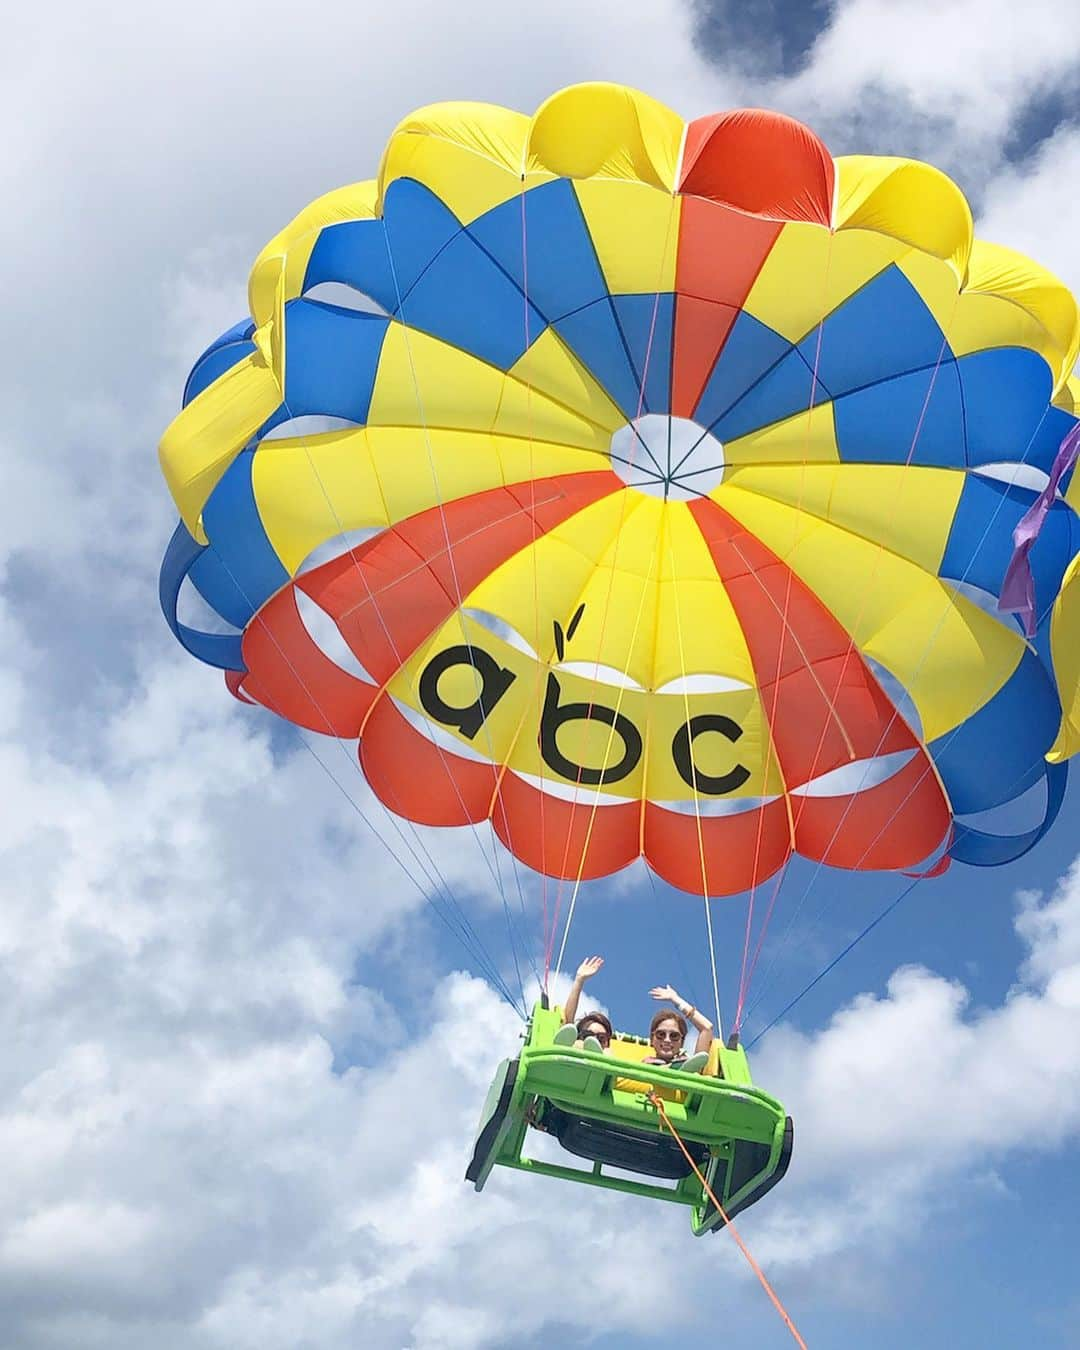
x=903, y=1090
x=1029, y=208
x=973, y=62
x=179, y=918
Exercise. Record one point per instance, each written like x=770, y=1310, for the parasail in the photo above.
x=647, y=489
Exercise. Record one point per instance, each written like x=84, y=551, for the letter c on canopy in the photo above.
x=682, y=752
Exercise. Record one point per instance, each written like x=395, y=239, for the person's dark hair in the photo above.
x=663, y=1016
x=589, y=1019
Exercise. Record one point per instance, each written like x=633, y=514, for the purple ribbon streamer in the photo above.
x=1018, y=588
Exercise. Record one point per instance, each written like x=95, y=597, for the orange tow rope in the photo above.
x=658, y=1103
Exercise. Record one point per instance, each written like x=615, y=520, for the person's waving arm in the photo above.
x=585, y=971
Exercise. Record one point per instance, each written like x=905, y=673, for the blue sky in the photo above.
x=243, y=1059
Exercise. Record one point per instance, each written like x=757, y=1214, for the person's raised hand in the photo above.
x=665, y=991
x=589, y=967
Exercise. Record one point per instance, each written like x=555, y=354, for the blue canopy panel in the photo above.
x=752, y=349
x=997, y=754
x=212, y=579
x=916, y=417
x=354, y=253
x=549, y=255
x=594, y=336
x=882, y=360
x=422, y=266
x=246, y=570
x=1006, y=400
x=229, y=349
x=980, y=545
x=464, y=298
x=385, y=258
x=882, y=330
x=646, y=323
x=787, y=387
x=983, y=849
x=215, y=649
x=331, y=360
x=419, y=225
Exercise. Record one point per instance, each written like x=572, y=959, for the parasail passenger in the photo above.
x=593, y=1031
x=667, y=1034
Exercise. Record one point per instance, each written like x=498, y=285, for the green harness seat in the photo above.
x=597, y=1106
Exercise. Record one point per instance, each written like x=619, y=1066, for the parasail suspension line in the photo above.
x=464, y=932
x=921, y=876
x=712, y=966
x=835, y=961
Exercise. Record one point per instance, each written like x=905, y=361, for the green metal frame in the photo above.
x=746, y=1132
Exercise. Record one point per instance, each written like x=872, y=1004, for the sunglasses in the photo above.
x=667, y=1035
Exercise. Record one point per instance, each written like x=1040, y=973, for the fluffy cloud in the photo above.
x=187, y=1164
x=905, y=1089
x=953, y=84
x=973, y=60
x=179, y=917
x=1026, y=207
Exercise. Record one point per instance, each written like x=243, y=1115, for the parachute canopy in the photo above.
x=646, y=488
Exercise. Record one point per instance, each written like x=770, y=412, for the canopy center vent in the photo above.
x=673, y=458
